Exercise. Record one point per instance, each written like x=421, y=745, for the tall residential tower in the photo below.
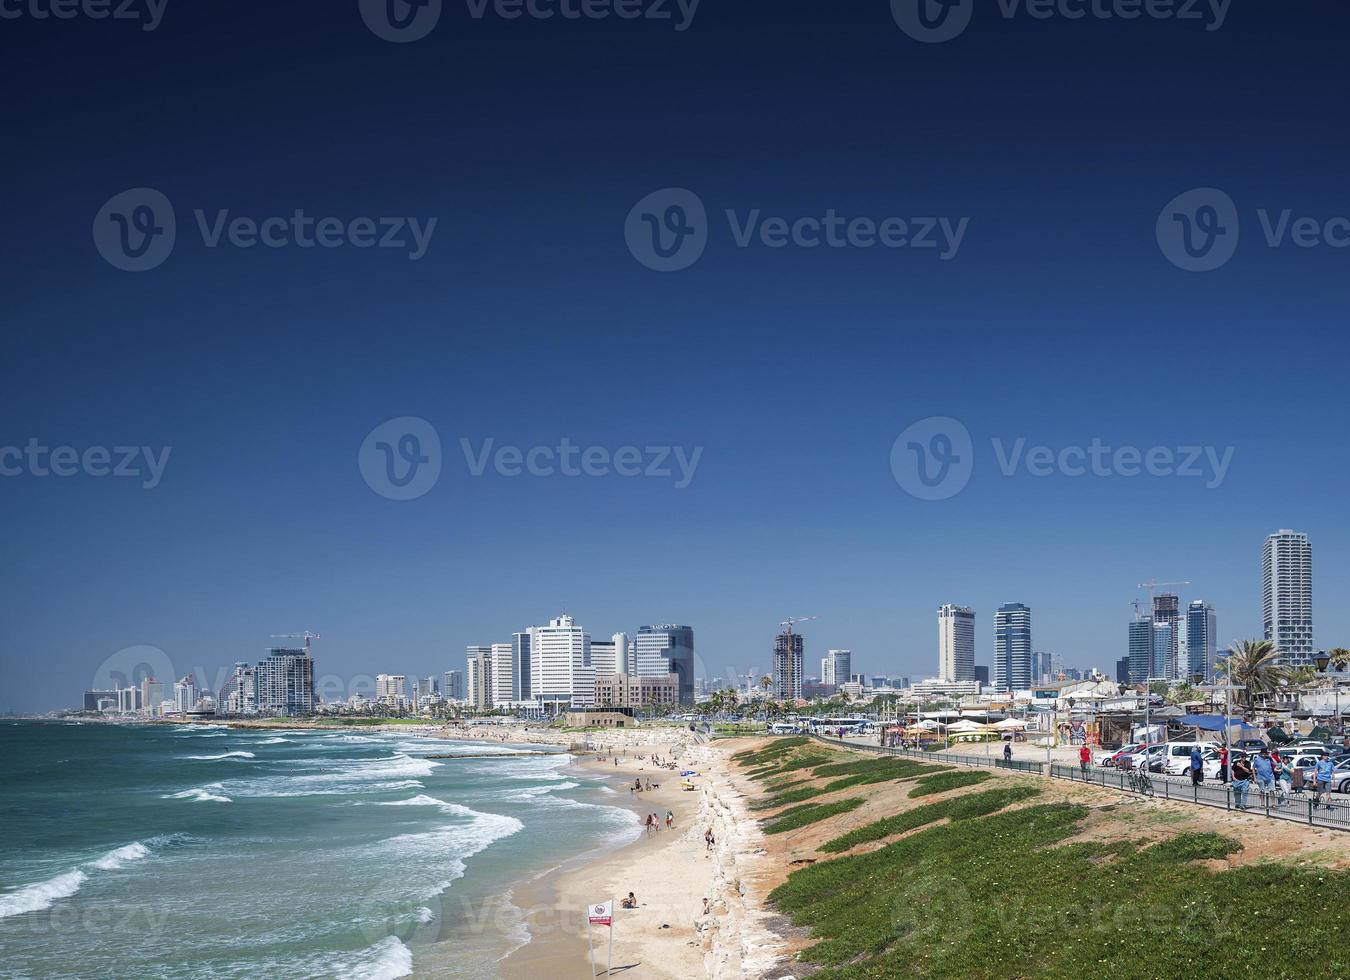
x=956, y=643
x=1286, y=566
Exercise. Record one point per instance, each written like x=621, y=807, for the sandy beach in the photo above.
x=671, y=872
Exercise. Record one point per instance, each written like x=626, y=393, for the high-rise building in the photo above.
x=981, y=676
x=1012, y=647
x=1286, y=566
x=152, y=693
x=452, y=685
x=1042, y=667
x=1167, y=611
x=1164, y=649
x=520, y=656
x=956, y=643
x=391, y=690
x=836, y=667
x=239, y=696
x=478, y=677
x=787, y=666
x=1141, y=649
x=285, y=682
x=667, y=649
x=624, y=653
x=184, y=694
x=1201, y=641
x=505, y=680
x=99, y=700
x=560, y=665
x=605, y=658
x=1123, y=670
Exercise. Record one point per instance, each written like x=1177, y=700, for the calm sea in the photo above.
x=177, y=851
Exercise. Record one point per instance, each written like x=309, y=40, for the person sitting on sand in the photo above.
x=630, y=902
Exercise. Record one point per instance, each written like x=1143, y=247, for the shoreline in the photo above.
x=671, y=873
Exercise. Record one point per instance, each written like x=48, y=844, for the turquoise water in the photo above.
x=176, y=851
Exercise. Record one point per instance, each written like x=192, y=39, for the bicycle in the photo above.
x=1140, y=782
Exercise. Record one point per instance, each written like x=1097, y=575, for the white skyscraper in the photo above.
x=392, y=690
x=956, y=643
x=478, y=677
x=1287, y=569
x=505, y=681
x=606, y=658
x=836, y=667
x=560, y=665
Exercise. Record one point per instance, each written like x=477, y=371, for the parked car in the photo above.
x=1112, y=757
x=1341, y=778
x=1178, y=756
x=1145, y=758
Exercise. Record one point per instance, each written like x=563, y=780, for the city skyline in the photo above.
x=1182, y=631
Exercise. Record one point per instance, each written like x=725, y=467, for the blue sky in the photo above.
x=528, y=321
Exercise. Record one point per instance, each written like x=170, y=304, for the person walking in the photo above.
x=1007, y=751
x=1285, y=782
x=1264, y=768
x=1322, y=774
x=1197, y=766
x=670, y=819
x=1242, y=783
x=1084, y=758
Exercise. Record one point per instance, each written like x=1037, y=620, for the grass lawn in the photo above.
x=944, y=781
x=993, y=896
x=959, y=808
x=801, y=816
x=861, y=773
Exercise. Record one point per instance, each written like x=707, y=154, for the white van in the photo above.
x=1177, y=756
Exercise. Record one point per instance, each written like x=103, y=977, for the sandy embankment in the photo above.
x=668, y=935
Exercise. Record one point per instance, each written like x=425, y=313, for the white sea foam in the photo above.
x=273, y=741
x=386, y=960
x=453, y=844
x=223, y=755
x=608, y=789
x=424, y=915
x=44, y=894
x=209, y=793
x=41, y=895
x=122, y=856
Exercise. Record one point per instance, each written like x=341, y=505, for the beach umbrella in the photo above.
x=966, y=726
x=1011, y=724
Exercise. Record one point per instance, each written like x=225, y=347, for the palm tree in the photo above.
x=765, y=682
x=1340, y=658
x=1255, y=664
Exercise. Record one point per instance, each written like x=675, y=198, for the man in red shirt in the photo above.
x=1084, y=758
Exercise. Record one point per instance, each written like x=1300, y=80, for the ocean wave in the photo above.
x=223, y=755
x=277, y=740
x=386, y=960
x=457, y=842
x=205, y=735
x=209, y=793
x=44, y=894
x=609, y=789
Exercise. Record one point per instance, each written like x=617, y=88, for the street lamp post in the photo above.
x=1228, y=690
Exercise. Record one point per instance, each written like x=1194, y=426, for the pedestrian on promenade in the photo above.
x=1084, y=758
x=1323, y=773
x=1007, y=751
x=1197, y=766
x=1242, y=783
x=1285, y=774
x=1264, y=768
x=1223, y=764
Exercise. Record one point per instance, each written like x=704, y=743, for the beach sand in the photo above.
x=671, y=872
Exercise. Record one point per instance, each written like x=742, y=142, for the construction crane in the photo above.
x=794, y=620
x=306, y=636
x=1153, y=587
